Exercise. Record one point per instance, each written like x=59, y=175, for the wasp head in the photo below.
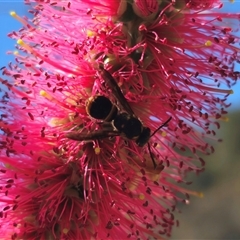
x=143, y=137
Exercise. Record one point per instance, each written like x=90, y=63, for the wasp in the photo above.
x=120, y=118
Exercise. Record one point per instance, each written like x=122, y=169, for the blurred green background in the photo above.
x=217, y=214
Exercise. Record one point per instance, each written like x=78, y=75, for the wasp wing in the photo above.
x=112, y=84
x=95, y=135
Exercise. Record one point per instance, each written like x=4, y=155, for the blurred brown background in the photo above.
x=217, y=214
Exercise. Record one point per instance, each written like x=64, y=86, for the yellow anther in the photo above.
x=164, y=134
x=46, y=95
x=141, y=196
x=197, y=194
x=15, y=52
x=20, y=42
x=65, y=230
x=21, y=20
x=13, y=14
x=97, y=150
x=208, y=43
x=225, y=119
x=26, y=46
x=200, y=194
x=193, y=193
x=7, y=165
x=90, y=33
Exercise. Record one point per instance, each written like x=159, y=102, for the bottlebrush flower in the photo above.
x=169, y=59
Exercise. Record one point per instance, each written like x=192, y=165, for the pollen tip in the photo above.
x=7, y=165
x=15, y=52
x=200, y=194
x=231, y=92
x=20, y=42
x=65, y=230
x=196, y=194
x=141, y=196
x=13, y=14
x=225, y=119
x=46, y=95
x=43, y=93
x=97, y=150
x=208, y=43
x=90, y=33
x=164, y=134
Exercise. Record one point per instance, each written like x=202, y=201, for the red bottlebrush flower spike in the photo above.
x=71, y=170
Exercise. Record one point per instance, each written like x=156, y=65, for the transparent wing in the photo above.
x=112, y=84
x=95, y=135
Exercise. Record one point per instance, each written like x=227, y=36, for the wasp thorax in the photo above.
x=100, y=107
x=128, y=124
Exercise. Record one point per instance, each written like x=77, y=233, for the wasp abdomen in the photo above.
x=100, y=107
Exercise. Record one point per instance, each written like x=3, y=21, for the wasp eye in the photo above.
x=99, y=107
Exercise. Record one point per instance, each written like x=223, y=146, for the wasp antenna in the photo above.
x=161, y=127
x=152, y=157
